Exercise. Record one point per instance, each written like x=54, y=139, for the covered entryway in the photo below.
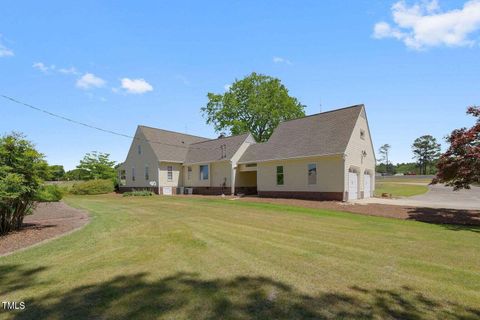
x=246, y=179
x=367, y=185
x=352, y=185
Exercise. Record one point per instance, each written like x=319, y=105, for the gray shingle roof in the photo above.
x=211, y=150
x=319, y=134
x=172, y=146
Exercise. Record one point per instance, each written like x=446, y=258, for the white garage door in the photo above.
x=352, y=186
x=367, y=186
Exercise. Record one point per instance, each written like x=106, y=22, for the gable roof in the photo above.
x=169, y=145
x=325, y=133
x=211, y=150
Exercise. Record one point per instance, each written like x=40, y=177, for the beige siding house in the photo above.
x=326, y=156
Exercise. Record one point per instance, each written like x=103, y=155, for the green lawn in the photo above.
x=398, y=189
x=196, y=258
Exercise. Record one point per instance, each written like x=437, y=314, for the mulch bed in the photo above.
x=430, y=215
x=49, y=220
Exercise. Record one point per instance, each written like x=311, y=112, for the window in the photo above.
x=312, y=173
x=133, y=174
x=169, y=173
x=147, y=176
x=189, y=173
x=362, y=134
x=204, y=172
x=223, y=149
x=280, y=175
x=139, y=147
x=123, y=177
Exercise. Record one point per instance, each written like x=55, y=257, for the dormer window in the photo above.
x=139, y=149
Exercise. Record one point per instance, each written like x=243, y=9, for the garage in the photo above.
x=367, y=186
x=352, y=186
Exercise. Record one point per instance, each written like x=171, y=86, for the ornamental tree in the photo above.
x=459, y=166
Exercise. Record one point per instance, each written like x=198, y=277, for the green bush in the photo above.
x=99, y=186
x=21, y=171
x=142, y=193
x=49, y=193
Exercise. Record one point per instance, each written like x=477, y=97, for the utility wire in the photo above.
x=98, y=128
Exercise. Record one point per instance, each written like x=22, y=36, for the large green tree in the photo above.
x=21, y=171
x=255, y=104
x=97, y=165
x=426, y=150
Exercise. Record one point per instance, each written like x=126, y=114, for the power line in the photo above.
x=95, y=127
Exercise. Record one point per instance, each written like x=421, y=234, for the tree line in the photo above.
x=426, y=152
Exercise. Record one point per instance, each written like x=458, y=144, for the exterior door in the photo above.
x=352, y=186
x=367, y=186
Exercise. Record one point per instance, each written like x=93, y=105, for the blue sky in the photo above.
x=415, y=65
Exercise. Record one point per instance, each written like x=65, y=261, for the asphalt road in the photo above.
x=439, y=196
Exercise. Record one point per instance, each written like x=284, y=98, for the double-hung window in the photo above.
x=169, y=173
x=133, y=174
x=147, y=176
x=189, y=173
x=312, y=173
x=280, y=176
x=204, y=172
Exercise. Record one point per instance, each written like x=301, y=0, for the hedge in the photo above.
x=90, y=187
x=49, y=193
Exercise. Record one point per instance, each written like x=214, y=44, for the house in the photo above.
x=325, y=156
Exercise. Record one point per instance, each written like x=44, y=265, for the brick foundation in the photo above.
x=329, y=196
x=246, y=190
x=212, y=190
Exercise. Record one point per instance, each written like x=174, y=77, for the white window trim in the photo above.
x=200, y=172
x=170, y=173
x=316, y=174
x=277, y=173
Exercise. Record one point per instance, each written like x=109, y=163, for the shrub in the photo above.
x=21, y=170
x=49, y=193
x=93, y=187
x=141, y=193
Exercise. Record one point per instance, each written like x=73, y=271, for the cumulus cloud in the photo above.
x=424, y=25
x=89, y=80
x=71, y=70
x=136, y=86
x=41, y=67
x=281, y=60
x=5, y=52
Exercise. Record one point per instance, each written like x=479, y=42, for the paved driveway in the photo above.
x=439, y=196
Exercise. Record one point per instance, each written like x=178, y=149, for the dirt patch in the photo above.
x=430, y=215
x=49, y=220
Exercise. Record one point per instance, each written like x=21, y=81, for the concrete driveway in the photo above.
x=439, y=196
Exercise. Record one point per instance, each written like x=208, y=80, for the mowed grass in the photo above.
x=397, y=189
x=197, y=258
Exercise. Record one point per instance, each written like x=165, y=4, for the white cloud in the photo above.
x=40, y=66
x=281, y=60
x=70, y=70
x=4, y=51
x=424, y=25
x=89, y=80
x=136, y=86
